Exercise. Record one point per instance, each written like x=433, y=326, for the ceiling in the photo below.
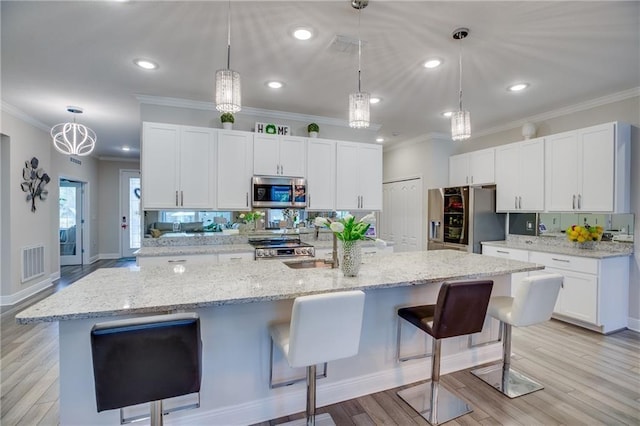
x=56, y=54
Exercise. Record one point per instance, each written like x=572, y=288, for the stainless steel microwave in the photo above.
x=278, y=192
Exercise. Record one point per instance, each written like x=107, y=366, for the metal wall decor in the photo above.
x=35, y=180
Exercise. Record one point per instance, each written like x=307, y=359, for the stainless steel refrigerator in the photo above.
x=461, y=217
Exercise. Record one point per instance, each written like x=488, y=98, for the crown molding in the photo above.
x=593, y=103
x=19, y=114
x=119, y=159
x=268, y=113
x=427, y=137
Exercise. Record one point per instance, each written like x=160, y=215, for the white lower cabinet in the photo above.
x=236, y=257
x=185, y=260
x=512, y=254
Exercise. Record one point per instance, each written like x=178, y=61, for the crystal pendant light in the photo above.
x=359, y=101
x=461, y=119
x=228, y=95
x=73, y=138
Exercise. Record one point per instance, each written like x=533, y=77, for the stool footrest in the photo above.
x=448, y=406
x=508, y=382
x=126, y=420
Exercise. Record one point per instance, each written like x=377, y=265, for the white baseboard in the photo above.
x=54, y=275
x=107, y=256
x=25, y=293
x=633, y=324
x=330, y=393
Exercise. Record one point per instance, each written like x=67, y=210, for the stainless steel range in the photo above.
x=281, y=247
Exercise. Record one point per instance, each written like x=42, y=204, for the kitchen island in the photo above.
x=236, y=302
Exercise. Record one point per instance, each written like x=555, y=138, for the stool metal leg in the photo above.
x=311, y=395
x=433, y=402
x=502, y=377
x=156, y=413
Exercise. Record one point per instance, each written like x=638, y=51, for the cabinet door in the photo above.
x=370, y=176
x=561, y=172
x=531, y=175
x=235, y=161
x=347, y=178
x=321, y=174
x=265, y=158
x=507, y=177
x=459, y=170
x=159, y=171
x=293, y=152
x=197, y=168
x=597, y=168
x=482, y=167
x=578, y=296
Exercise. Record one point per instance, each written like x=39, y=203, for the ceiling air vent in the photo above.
x=345, y=44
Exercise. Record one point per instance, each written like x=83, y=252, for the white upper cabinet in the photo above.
x=358, y=176
x=472, y=168
x=279, y=155
x=519, y=175
x=235, y=167
x=321, y=174
x=178, y=169
x=589, y=169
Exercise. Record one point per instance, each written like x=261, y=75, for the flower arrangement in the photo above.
x=585, y=233
x=347, y=229
x=251, y=216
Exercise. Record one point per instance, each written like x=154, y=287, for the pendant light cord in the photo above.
x=359, y=48
x=460, y=81
x=229, y=36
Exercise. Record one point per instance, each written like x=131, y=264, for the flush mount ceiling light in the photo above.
x=517, y=87
x=375, y=100
x=302, y=33
x=73, y=138
x=432, y=63
x=228, y=95
x=461, y=119
x=146, y=64
x=275, y=84
x=379, y=140
x=447, y=114
x=359, y=102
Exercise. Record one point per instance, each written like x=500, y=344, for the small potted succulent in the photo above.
x=313, y=130
x=227, y=120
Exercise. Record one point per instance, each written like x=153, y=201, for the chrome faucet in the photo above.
x=334, y=254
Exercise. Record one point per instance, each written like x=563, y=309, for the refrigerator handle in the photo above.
x=433, y=229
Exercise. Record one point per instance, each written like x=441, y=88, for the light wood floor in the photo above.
x=589, y=379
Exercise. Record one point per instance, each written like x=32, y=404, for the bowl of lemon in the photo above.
x=585, y=236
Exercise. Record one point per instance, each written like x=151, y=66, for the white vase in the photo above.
x=313, y=134
x=350, y=257
x=227, y=125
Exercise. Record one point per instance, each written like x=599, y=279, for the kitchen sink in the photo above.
x=307, y=264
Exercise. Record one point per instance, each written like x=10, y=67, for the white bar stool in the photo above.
x=146, y=359
x=323, y=327
x=533, y=303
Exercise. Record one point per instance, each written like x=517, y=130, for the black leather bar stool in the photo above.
x=146, y=359
x=461, y=309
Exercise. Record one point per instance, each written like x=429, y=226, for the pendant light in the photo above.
x=461, y=119
x=359, y=101
x=228, y=95
x=73, y=138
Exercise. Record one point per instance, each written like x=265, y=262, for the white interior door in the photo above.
x=71, y=222
x=130, y=212
x=402, y=215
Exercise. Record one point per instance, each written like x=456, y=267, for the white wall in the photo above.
x=109, y=205
x=27, y=139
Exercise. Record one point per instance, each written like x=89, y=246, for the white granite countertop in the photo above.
x=596, y=253
x=122, y=291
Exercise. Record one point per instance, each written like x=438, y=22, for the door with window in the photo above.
x=70, y=223
x=130, y=214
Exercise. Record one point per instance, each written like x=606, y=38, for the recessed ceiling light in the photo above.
x=126, y=148
x=518, y=87
x=375, y=100
x=275, y=84
x=432, y=63
x=447, y=114
x=379, y=140
x=146, y=64
x=302, y=33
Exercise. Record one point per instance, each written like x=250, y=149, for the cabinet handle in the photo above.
x=466, y=179
x=502, y=251
x=181, y=198
x=177, y=261
x=308, y=200
x=246, y=198
x=515, y=202
x=520, y=202
x=579, y=201
x=471, y=178
x=281, y=169
x=560, y=260
x=574, y=202
x=176, y=198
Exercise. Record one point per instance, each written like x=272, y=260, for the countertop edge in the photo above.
x=586, y=253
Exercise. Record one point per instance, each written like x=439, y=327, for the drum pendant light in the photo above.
x=461, y=119
x=228, y=94
x=359, y=102
x=73, y=138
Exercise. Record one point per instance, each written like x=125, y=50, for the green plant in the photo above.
x=227, y=117
x=313, y=127
x=347, y=229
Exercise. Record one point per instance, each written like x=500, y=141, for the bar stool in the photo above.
x=146, y=359
x=533, y=303
x=323, y=327
x=461, y=309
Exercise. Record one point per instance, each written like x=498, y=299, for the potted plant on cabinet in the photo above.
x=227, y=120
x=313, y=130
